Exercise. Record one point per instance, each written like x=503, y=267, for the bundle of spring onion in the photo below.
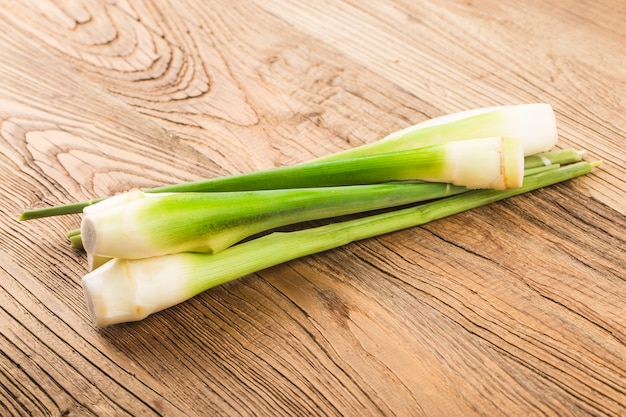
x=151, y=249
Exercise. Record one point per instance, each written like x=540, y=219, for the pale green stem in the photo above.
x=278, y=248
x=534, y=125
x=161, y=224
x=285, y=177
x=129, y=290
x=533, y=164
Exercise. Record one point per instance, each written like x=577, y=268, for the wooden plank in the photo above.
x=512, y=309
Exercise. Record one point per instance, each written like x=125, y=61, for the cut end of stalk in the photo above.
x=512, y=163
x=76, y=241
x=109, y=295
x=496, y=162
x=534, y=125
x=123, y=290
x=88, y=234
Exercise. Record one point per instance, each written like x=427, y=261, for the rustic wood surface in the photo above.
x=514, y=309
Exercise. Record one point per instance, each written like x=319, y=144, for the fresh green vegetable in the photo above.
x=185, y=237
x=125, y=290
x=145, y=225
x=94, y=261
x=532, y=163
x=533, y=125
x=479, y=163
x=133, y=226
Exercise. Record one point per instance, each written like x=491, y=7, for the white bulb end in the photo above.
x=123, y=290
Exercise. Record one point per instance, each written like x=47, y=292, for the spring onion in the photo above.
x=133, y=226
x=148, y=250
x=532, y=164
x=533, y=125
x=186, y=234
x=158, y=224
x=426, y=191
x=495, y=162
x=124, y=290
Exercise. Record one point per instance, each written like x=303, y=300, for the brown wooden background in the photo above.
x=515, y=309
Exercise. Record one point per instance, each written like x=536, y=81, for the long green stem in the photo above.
x=129, y=290
x=277, y=248
x=427, y=191
x=298, y=176
x=153, y=225
x=534, y=125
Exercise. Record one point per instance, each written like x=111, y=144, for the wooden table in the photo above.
x=517, y=308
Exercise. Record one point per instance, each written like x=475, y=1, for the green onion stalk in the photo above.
x=533, y=125
x=160, y=224
x=140, y=225
x=124, y=290
x=190, y=215
x=136, y=225
x=144, y=225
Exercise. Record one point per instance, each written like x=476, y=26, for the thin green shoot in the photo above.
x=298, y=176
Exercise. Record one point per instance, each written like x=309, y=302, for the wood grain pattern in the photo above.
x=513, y=309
